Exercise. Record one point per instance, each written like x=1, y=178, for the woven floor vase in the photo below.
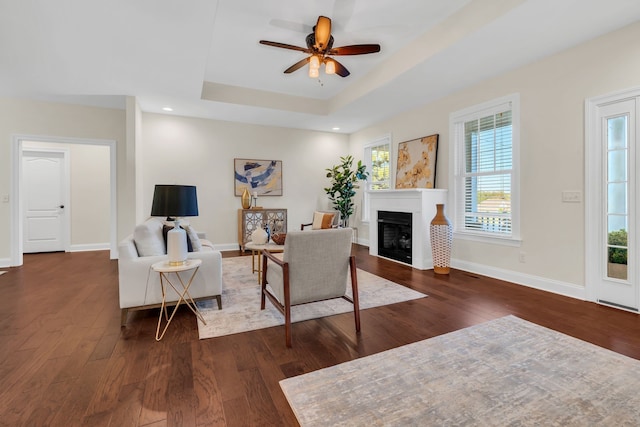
x=441, y=234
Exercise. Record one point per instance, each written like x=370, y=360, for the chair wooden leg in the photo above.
x=287, y=327
x=263, y=285
x=123, y=317
x=287, y=305
x=354, y=290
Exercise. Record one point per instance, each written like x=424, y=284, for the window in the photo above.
x=377, y=157
x=486, y=170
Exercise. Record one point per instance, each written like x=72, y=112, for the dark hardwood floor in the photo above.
x=65, y=361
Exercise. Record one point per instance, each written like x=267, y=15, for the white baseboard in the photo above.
x=5, y=262
x=227, y=247
x=544, y=284
x=363, y=242
x=90, y=247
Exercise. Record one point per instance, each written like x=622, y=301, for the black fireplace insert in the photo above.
x=394, y=235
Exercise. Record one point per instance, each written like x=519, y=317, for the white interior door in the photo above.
x=612, y=245
x=45, y=208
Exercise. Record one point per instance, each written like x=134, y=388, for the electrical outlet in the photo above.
x=571, y=196
x=522, y=257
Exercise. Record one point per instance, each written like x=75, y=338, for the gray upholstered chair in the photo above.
x=314, y=267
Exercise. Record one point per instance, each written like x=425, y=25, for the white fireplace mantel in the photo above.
x=421, y=203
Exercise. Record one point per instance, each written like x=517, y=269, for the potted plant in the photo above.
x=343, y=184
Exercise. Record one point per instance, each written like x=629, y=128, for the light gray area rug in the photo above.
x=503, y=372
x=241, y=301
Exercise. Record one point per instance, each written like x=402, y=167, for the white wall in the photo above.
x=89, y=195
x=200, y=152
x=553, y=92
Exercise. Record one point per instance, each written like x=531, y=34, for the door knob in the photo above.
x=61, y=206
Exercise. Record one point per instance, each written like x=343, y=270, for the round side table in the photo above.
x=164, y=268
x=256, y=251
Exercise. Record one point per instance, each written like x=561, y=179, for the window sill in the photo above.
x=494, y=240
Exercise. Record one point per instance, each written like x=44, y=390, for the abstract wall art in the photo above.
x=263, y=177
x=417, y=163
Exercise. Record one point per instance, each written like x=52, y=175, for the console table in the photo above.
x=251, y=219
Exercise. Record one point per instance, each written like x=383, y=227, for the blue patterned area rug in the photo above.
x=241, y=301
x=506, y=372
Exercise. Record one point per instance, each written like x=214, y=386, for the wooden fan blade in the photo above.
x=341, y=70
x=322, y=32
x=297, y=65
x=285, y=46
x=356, y=49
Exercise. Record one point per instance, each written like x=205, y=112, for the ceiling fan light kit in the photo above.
x=320, y=49
x=329, y=66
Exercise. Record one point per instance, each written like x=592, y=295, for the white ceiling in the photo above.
x=203, y=59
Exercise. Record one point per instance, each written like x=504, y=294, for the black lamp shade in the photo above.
x=175, y=201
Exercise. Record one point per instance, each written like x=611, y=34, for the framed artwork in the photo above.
x=263, y=177
x=417, y=163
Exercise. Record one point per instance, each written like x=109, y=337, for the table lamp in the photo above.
x=175, y=201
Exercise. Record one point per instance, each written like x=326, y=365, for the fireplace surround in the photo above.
x=420, y=204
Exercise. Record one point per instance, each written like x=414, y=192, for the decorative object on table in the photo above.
x=251, y=219
x=259, y=236
x=173, y=202
x=343, y=184
x=279, y=238
x=441, y=233
x=255, y=200
x=416, y=167
x=246, y=198
x=267, y=228
x=259, y=177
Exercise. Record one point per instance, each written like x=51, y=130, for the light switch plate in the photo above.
x=571, y=196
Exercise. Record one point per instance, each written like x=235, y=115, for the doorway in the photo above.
x=45, y=186
x=17, y=189
x=613, y=219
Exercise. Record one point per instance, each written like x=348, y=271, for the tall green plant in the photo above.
x=343, y=184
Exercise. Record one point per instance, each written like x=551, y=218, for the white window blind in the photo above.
x=380, y=167
x=485, y=177
x=377, y=157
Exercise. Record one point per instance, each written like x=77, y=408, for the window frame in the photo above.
x=381, y=140
x=457, y=169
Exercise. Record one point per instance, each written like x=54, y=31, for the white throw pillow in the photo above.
x=196, y=244
x=148, y=238
x=322, y=220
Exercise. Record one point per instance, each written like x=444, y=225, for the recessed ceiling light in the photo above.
x=167, y=109
x=335, y=128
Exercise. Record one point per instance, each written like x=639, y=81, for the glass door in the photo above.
x=616, y=283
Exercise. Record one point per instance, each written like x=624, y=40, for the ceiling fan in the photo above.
x=320, y=50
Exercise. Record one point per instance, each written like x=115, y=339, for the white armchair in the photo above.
x=140, y=286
